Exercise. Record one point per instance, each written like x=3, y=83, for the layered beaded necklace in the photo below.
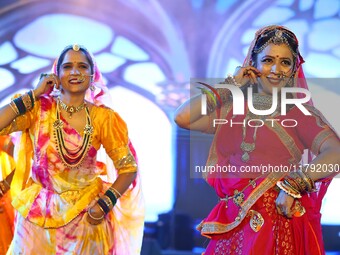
x=72, y=157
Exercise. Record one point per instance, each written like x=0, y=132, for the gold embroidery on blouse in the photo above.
x=287, y=140
x=319, y=139
x=124, y=159
x=320, y=119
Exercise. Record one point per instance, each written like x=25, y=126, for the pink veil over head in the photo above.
x=128, y=219
x=100, y=96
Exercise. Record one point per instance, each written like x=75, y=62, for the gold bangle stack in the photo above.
x=288, y=189
x=24, y=103
x=231, y=80
x=309, y=181
x=115, y=192
x=301, y=181
x=3, y=188
x=297, y=183
x=14, y=108
x=107, y=201
x=27, y=101
x=33, y=96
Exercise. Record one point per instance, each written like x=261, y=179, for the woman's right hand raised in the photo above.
x=246, y=74
x=46, y=84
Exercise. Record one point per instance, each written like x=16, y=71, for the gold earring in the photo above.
x=92, y=87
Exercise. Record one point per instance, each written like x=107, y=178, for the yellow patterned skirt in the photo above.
x=77, y=237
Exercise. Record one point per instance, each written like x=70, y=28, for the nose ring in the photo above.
x=282, y=75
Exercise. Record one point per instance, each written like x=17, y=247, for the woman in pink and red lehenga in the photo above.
x=61, y=199
x=274, y=212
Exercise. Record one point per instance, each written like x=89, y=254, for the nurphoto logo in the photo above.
x=238, y=105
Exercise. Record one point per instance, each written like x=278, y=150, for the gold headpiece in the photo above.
x=277, y=39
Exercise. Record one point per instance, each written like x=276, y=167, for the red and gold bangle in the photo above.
x=310, y=185
x=287, y=190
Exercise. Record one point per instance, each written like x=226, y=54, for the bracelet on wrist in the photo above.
x=93, y=217
x=14, y=108
x=3, y=188
x=103, y=205
x=231, y=80
x=24, y=103
x=107, y=201
x=111, y=195
x=6, y=183
x=20, y=105
x=116, y=192
x=288, y=190
x=301, y=182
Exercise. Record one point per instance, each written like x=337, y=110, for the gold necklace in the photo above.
x=247, y=148
x=72, y=158
x=260, y=102
x=71, y=109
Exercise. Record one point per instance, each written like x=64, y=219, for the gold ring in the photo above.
x=46, y=75
x=42, y=75
x=247, y=72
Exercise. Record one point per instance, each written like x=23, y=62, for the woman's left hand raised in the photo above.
x=284, y=204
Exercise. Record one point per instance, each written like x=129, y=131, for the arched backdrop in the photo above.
x=148, y=51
